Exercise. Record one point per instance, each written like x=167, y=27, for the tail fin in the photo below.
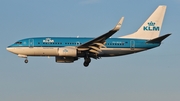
x=151, y=27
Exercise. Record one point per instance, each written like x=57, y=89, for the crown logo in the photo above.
x=151, y=23
x=65, y=50
x=48, y=40
x=151, y=27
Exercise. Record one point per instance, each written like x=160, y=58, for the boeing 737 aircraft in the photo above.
x=68, y=49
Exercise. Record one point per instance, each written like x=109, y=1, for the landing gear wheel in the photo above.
x=26, y=61
x=86, y=64
x=87, y=61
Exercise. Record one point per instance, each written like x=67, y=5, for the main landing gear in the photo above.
x=87, y=60
x=26, y=60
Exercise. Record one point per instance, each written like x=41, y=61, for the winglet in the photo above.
x=118, y=26
x=159, y=39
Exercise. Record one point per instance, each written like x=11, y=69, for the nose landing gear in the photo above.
x=26, y=60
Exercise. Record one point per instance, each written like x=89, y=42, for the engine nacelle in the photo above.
x=67, y=52
x=60, y=59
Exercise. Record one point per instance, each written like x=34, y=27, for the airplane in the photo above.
x=70, y=49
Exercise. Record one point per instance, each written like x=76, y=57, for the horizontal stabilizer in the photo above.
x=158, y=39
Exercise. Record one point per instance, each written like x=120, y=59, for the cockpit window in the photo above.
x=18, y=43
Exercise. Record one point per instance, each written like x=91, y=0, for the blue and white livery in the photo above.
x=68, y=49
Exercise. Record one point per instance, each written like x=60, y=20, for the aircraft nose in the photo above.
x=9, y=49
x=12, y=50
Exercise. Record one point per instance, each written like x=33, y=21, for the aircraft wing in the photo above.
x=95, y=44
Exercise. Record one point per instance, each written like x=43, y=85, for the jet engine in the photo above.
x=61, y=59
x=67, y=52
x=66, y=55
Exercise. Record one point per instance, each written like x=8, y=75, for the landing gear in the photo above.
x=26, y=60
x=87, y=60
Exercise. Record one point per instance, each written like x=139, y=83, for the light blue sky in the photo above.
x=153, y=75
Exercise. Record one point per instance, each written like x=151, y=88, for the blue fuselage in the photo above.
x=114, y=46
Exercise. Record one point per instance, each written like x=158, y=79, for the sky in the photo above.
x=151, y=75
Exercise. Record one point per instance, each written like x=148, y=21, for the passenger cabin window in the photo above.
x=52, y=43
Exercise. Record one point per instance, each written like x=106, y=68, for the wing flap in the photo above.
x=95, y=48
x=94, y=51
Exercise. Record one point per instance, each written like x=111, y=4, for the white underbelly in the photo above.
x=37, y=51
x=119, y=51
x=53, y=51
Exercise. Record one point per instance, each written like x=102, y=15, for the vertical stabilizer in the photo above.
x=151, y=27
